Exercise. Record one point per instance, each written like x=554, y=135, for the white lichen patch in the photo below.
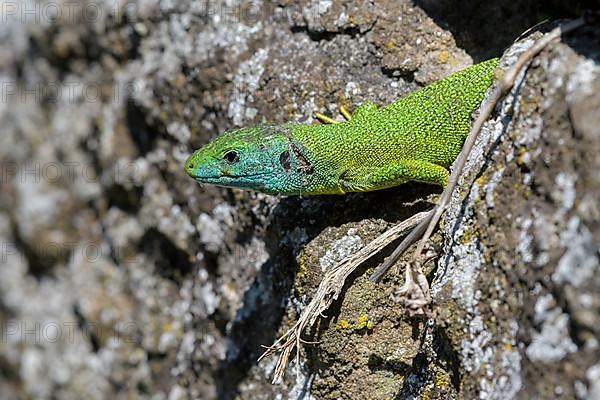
x=352, y=89
x=564, y=192
x=211, y=233
x=525, y=239
x=176, y=225
x=179, y=131
x=231, y=36
x=580, y=262
x=245, y=85
x=315, y=13
x=302, y=383
x=340, y=249
x=506, y=385
x=544, y=232
x=580, y=83
x=552, y=343
x=593, y=376
x=39, y=202
x=490, y=186
x=212, y=228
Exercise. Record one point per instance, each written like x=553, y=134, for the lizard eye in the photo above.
x=231, y=157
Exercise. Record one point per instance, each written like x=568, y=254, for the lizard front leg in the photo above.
x=368, y=178
x=362, y=111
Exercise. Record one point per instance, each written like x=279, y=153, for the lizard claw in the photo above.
x=415, y=293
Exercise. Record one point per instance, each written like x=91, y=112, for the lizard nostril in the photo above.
x=190, y=166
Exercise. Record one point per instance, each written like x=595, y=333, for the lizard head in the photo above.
x=258, y=158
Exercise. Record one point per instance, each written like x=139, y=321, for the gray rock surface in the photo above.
x=122, y=278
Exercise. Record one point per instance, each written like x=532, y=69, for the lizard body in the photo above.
x=416, y=138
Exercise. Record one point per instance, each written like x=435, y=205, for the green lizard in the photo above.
x=415, y=138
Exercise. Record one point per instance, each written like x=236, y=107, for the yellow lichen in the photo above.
x=301, y=274
x=442, y=380
x=443, y=57
x=343, y=324
x=481, y=180
x=363, y=322
x=469, y=235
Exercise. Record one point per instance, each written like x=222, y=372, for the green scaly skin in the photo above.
x=415, y=138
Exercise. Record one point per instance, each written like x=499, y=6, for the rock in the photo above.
x=121, y=277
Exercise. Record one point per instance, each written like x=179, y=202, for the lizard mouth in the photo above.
x=249, y=181
x=225, y=177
